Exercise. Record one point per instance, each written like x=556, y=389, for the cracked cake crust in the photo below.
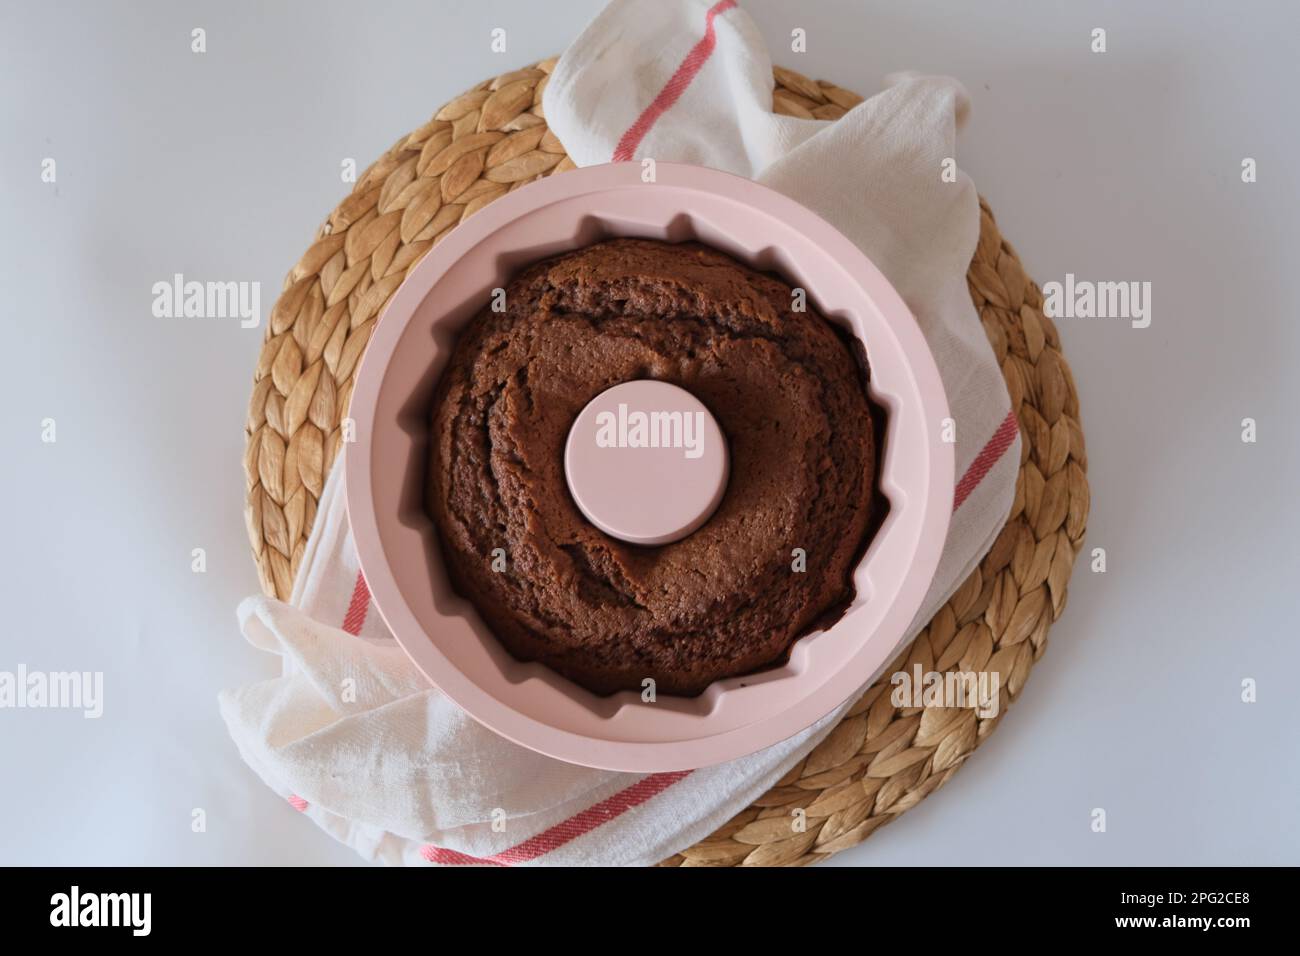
x=786, y=390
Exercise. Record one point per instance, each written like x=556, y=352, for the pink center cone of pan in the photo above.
x=646, y=462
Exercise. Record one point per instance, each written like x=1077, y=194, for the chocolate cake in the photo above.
x=731, y=598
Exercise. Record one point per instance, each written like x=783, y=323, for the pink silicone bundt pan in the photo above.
x=386, y=468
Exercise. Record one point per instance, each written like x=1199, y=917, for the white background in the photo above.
x=1122, y=166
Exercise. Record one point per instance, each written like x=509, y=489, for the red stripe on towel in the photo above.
x=986, y=459
x=675, y=86
x=437, y=854
x=577, y=825
x=355, y=619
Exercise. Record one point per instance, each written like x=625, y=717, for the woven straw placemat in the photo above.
x=881, y=760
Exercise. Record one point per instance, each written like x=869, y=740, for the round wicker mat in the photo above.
x=881, y=760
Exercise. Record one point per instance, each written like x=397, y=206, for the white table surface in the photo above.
x=1115, y=166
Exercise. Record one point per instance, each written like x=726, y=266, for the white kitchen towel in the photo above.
x=353, y=736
